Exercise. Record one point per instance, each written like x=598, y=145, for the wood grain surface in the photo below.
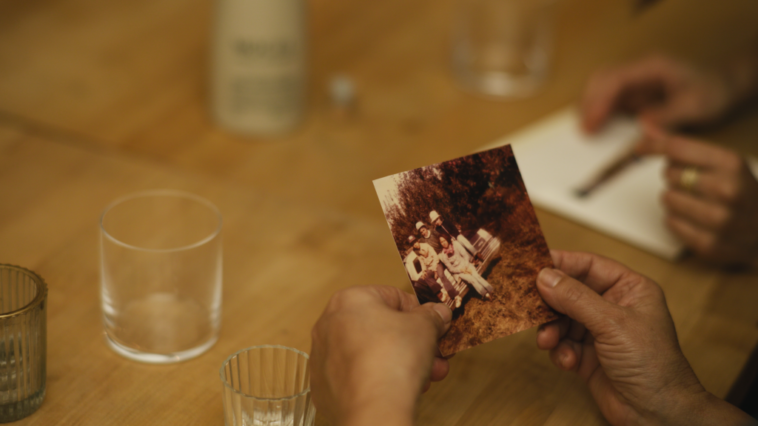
x=100, y=99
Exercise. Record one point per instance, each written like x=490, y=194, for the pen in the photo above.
x=607, y=173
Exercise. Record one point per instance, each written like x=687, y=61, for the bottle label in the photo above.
x=277, y=94
x=269, y=52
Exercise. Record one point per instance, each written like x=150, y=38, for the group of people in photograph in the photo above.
x=441, y=247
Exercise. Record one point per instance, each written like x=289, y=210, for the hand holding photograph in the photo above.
x=468, y=237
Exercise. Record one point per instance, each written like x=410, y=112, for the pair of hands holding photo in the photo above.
x=714, y=210
x=374, y=349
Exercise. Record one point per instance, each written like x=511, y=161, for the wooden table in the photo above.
x=100, y=99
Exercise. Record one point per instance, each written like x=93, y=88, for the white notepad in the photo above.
x=556, y=158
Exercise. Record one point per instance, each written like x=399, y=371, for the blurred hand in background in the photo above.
x=712, y=197
x=668, y=92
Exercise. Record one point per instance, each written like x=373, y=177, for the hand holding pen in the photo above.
x=712, y=197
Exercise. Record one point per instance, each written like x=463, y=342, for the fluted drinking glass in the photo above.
x=267, y=385
x=23, y=342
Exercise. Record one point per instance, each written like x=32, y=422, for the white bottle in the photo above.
x=258, y=69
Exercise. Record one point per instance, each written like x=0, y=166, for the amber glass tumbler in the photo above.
x=23, y=342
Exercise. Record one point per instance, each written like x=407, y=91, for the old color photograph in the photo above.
x=468, y=237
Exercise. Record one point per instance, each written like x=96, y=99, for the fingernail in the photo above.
x=549, y=277
x=443, y=311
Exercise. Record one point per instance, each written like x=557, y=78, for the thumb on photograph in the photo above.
x=440, y=315
x=573, y=298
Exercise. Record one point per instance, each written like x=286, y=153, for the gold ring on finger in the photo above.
x=689, y=178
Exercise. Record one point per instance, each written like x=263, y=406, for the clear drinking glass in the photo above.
x=267, y=385
x=502, y=48
x=161, y=275
x=23, y=342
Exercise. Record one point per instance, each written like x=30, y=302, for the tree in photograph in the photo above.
x=464, y=181
x=419, y=192
x=472, y=191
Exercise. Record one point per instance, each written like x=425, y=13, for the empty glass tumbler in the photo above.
x=267, y=385
x=161, y=275
x=23, y=342
x=502, y=48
